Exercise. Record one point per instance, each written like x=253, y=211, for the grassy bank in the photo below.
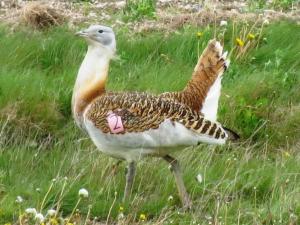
x=254, y=182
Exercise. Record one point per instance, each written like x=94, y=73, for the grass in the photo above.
x=254, y=182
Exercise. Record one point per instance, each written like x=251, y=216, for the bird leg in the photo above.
x=175, y=168
x=129, y=180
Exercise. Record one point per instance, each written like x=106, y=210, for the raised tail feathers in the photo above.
x=207, y=78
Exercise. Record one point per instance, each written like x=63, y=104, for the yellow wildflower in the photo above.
x=7, y=224
x=69, y=223
x=199, y=34
x=250, y=36
x=121, y=209
x=286, y=154
x=239, y=42
x=142, y=217
x=53, y=221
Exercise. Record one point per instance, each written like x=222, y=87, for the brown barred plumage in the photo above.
x=210, y=65
x=141, y=112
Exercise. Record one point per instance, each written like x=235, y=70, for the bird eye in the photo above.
x=100, y=31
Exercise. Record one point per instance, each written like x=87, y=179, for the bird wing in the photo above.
x=203, y=90
x=139, y=112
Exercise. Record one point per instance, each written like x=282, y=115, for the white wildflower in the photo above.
x=121, y=216
x=83, y=193
x=199, y=178
x=223, y=23
x=19, y=200
x=39, y=217
x=38, y=190
x=266, y=22
x=170, y=198
x=31, y=211
x=51, y=212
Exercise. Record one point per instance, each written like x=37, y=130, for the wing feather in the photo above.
x=142, y=112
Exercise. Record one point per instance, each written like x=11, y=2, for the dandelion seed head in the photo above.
x=51, y=212
x=223, y=23
x=170, y=198
x=19, y=200
x=121, y=216
x=266, y=22
x=83, y=193
x=39, y=217
x=31, y=211
x=199, y=178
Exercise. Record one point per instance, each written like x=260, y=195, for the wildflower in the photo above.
x=19, y=200
x=239, y=42
x=121, y=209
x=83, y=193
x=38, y=190
x=142, y=217
x=287, y=181
x=39, y=217
x=53, y=221
x=199, y=34
x=7, y=224
x=170, y=198
x=199, y=178
x=250, y=36
x=266, y=22
x=31, y=211
x=223, y=23
x=51, y=212
x=286, y=154
x=121, y=216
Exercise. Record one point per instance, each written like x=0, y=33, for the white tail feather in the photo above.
x=211, y=102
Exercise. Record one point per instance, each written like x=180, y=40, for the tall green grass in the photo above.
x=254, y=182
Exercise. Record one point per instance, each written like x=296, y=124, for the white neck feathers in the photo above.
x=91, y=78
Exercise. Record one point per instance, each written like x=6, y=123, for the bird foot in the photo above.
x=187, y=204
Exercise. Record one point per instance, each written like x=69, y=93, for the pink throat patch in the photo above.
x=115, y=123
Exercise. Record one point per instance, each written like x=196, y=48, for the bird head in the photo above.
x=99, y=36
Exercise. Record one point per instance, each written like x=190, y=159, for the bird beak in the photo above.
x=82, y=33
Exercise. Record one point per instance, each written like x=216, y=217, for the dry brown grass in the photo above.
x=40, y=15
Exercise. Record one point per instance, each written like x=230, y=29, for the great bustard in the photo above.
x=129, y=126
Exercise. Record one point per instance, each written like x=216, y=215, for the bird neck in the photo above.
x=91, y=79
